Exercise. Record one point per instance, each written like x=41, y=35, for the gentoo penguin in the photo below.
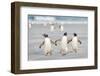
x=47, y=45
x=63, y=44
x=75, y=42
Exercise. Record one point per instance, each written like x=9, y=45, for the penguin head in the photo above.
x=75, y=34
x=45, y=35
x=65, y=34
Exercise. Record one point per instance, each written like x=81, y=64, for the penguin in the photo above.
x=47, y=45
x=75, y=42
x=63, y=44
x=52, y=28
x=61, y=28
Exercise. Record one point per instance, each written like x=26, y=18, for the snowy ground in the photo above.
x=35, y=39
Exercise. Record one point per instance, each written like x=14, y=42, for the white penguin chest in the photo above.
x=52, y=28
x=64, y=41
x=75, y=41
x=47, y=42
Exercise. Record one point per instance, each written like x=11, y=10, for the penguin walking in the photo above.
x=75, y=42
x=47, y=45
x=63, y=44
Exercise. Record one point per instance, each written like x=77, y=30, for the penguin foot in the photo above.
x=48, y=54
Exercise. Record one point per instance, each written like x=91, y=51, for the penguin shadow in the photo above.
x=74, y=51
